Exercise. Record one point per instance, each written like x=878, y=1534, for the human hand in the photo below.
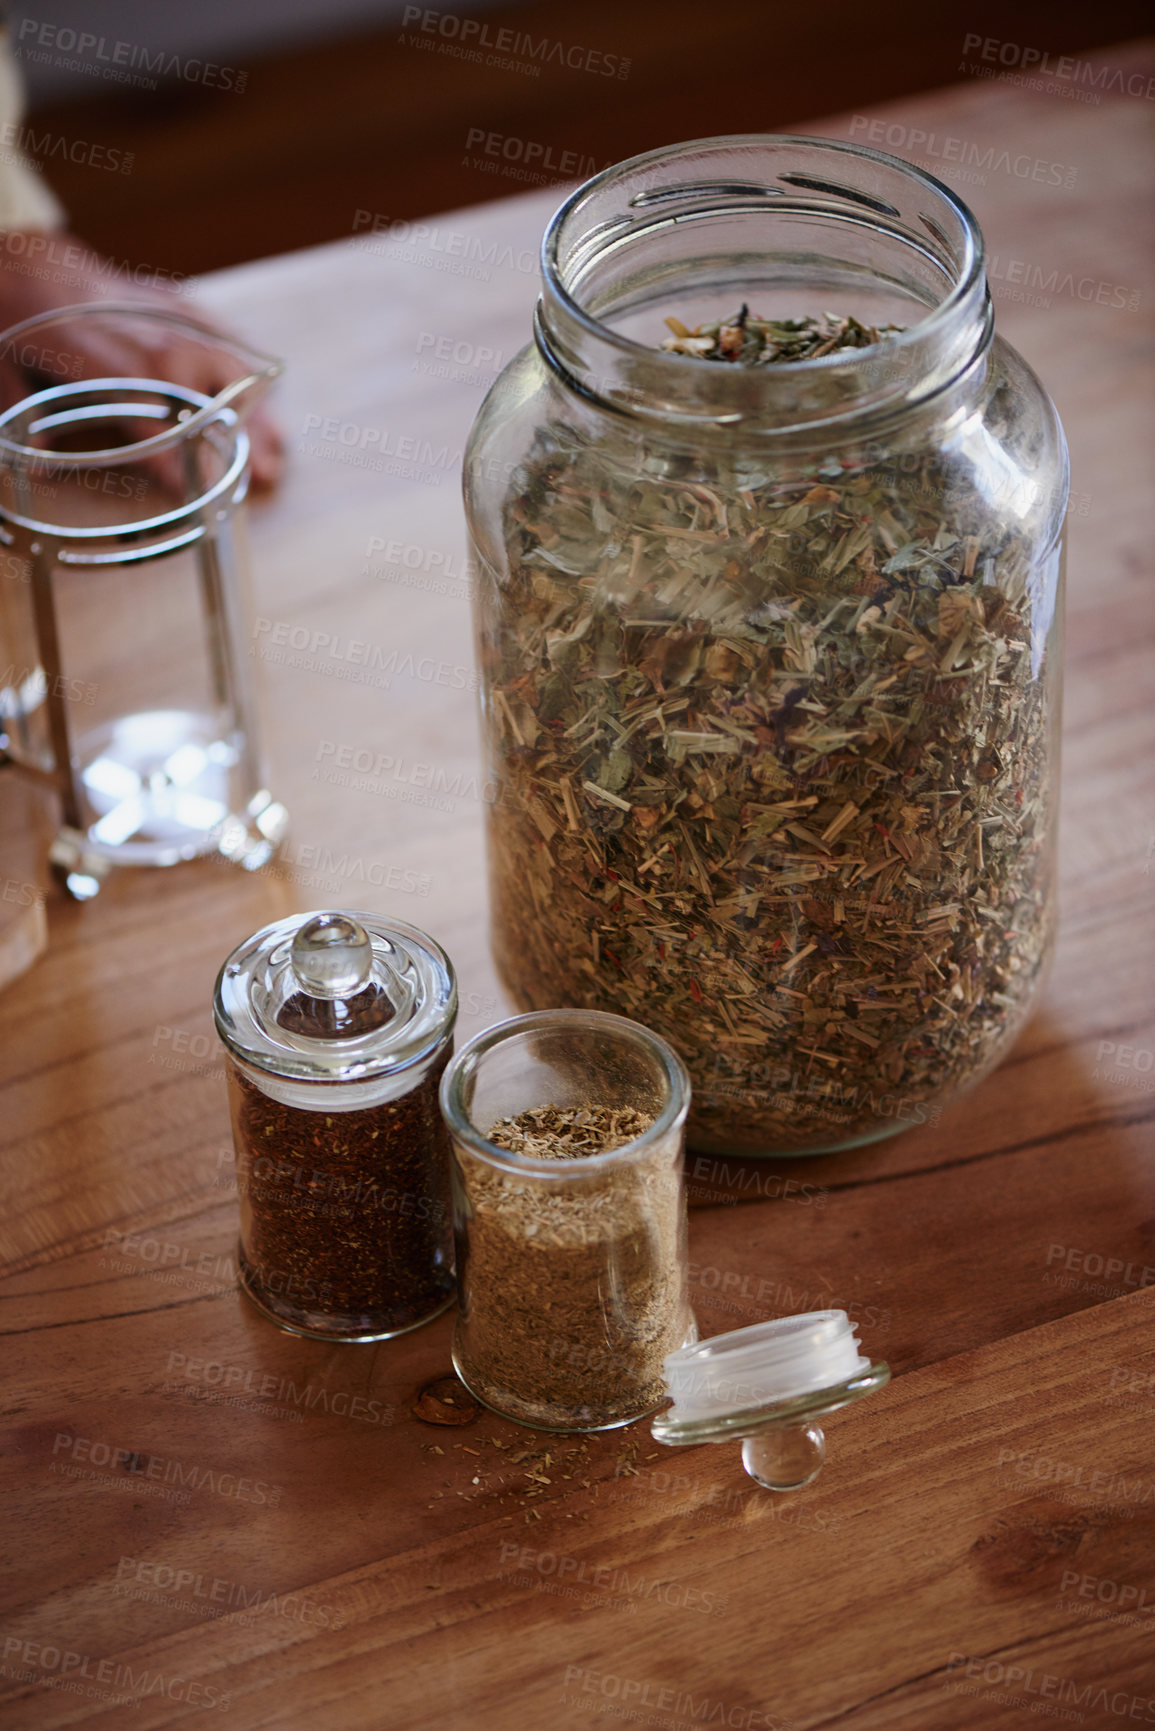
x=83, y=348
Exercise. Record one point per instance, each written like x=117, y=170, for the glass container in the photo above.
x=126, y=619
x=337, y=1028
x=766, y=1385
x=572, y=1268
x=770, y=652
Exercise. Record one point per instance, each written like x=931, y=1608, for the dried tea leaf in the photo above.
x=575, y=1291
x=789, y=801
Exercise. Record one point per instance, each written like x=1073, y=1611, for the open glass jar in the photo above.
x=572, y=1266
x=770, y=653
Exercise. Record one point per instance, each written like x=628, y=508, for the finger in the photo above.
x=267, y=462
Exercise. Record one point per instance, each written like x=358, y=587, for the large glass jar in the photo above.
x=770, y=653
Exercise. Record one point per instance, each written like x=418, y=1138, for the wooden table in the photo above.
x=981, y=1544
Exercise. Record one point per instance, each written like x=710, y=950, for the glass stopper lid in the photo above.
x=766, y=1384
x=335, y=996
x=332, y=956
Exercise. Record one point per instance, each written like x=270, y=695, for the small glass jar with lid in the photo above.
x=767, y=527
x=337, y=1028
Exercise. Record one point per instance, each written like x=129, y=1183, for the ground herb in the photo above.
x=345, y=1216
x=771, y=750
x=568, y=1133
x=572, y=1292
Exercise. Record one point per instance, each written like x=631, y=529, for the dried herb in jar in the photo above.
x=567, y=1133
x=575, y=1291
x=772, y=748
x=755, y=342
x=346, y=1212
x=338, y=1027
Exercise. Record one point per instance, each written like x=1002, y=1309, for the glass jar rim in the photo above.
x=671, y=1116
x=255, y=371
x=959, y=323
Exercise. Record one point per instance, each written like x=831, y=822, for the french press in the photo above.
x=124, y=603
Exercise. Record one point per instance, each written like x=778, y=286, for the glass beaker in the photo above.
x=127, y=613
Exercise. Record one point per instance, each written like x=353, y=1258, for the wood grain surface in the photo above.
x=211, y=1522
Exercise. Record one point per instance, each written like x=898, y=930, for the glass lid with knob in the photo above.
x=335, y=997
x=765, y=1385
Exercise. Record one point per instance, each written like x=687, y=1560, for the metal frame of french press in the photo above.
x=44, y=547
